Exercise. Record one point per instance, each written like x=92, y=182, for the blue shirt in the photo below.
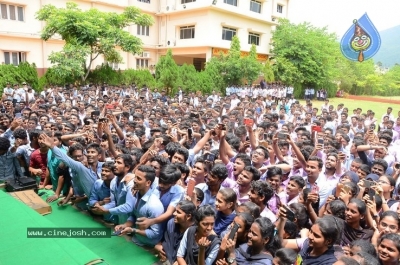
x=208, y=197
x=171, y=198
x=9, y=166
x=82, y=176
x=148, y=206
x=99, y=192
x=121, y=199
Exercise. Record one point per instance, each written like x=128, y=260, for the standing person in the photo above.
x=38, y=165
x=198, y=245
x=145, y=204
x=9, y=166
x=176, y=227
x=260, y=193
x=120, y=186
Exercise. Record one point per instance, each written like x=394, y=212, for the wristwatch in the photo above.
x=231, y=260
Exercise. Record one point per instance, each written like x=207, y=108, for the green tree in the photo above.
x=25, y=72
x=215, y=69
x=88, y=34
x=233, y=65
x=304, y=54
x=188, y=77
x=268, y=72
x=167, y=72
x=251, y=66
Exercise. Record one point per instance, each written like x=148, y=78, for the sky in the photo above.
x=338, y=15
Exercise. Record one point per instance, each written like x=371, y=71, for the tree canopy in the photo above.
x=88, y=34
x=304, y=54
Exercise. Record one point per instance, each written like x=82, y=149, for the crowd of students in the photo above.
x=229, y=180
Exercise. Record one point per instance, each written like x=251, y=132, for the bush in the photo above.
x=25, y=72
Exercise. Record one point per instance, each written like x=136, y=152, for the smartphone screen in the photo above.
x=190, y=133
x=17, y=115
x=190, y=187
x=320, y=141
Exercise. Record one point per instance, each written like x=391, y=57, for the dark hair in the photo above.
x=247, y=218
x=273, y=171
x=365, y=168
x=392, y=214
x=182, y=151
x=254, y=171
x=262, y=188
x=128, y=161
x=199, y=194
x=219, y=170
x=265, y=151
x=300, y=212
x=203, y=212
x=395, y=238
x=96, y=147
x=286, y=256
x=299, y=181
x=380, y=162
x=20, y=134
x=4, y=144
x=316, y=158
x=169, y=174
x=187, y=207
x=108, y=164
x=75, y=147
x=150, y=173
x=365, y=245
x=229, y=196
x=163, y=161
x=338, y=208
x=331, y=228
x=183, y=168
x=252, y=208
x=291, y=229
x=267, y=230
x=361, y=206
x=348, y=261
x=368, y=258
x=245, y=158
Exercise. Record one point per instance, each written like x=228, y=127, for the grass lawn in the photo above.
x=377, y=107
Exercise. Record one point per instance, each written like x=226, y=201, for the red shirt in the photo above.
x=39, y=160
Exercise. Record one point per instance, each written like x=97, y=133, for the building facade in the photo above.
x=195, y=30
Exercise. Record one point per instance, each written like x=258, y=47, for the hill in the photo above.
x=389, y=53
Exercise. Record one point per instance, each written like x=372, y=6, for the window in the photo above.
x=14, y=58
x=187, y=1
x=255, y=6
x=143, y=30
x=142, y=63
x=279, y=9
x=254, y=38
x=228, y=33
x=12, y=12
x=231, y=2
x=144, y=1
x=187, y=32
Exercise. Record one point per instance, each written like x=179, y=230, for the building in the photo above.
x=195, y=30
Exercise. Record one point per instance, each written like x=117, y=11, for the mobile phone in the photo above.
x=190, y=187
x=248, y=122
x=87, y=122
x=397, y=166
x=210, y=157
x=17, y=115
x=3, y=110
x=368, y=183
x=372, y=127
x=289, y=214
x=282, y=136
x=222, y=126
x=116, y=233
x=190, y=133
x=266, y=136
x=347, y=189
x=95, y=113
x=234, y=229
x=315, y=128
x=247, y=138
x=194, y=115
x=371, y=193
x=321, y=141
x=103, y=120
x=339, y=188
